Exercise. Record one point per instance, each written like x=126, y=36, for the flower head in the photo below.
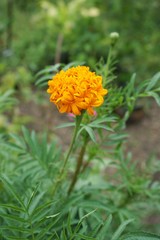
x=76, y=89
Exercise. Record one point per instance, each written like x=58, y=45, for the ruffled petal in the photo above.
x=75, y=110
x=90, y=111
x=76, y=89
x=63, y=108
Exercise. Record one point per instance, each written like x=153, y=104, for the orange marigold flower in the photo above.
x=76, y=89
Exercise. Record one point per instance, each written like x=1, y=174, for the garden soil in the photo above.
x=143, y=140
x=144, y=133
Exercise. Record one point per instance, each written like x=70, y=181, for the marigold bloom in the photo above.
x=76, y=89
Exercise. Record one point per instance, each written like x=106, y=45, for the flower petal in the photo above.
x=75, y=109
x=76, y=89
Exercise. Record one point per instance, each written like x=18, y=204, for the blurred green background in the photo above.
x=36, y=33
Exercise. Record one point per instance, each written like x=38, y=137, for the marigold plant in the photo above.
x=76, y=89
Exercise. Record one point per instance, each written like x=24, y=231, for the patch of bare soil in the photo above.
x=45, y=117
x=144, y=135
x=143, y=141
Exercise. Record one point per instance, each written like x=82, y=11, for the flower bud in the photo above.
x=114, y=37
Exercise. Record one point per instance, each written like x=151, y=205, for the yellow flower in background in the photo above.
x=76, y=89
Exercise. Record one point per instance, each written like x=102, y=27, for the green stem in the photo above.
x=85, y=165
x=78, y=122
x=78, y=167
x=108, y=62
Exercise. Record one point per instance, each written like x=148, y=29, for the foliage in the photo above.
x=81, y=206
x=6, y=100
x=48, y=33
x=95, y=190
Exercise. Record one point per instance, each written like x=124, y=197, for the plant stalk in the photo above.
x=108, y=63
x=78, y=122
x=79, y=165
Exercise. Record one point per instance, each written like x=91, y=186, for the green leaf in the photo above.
x=101, y=126
x=47, y=228
x=56, y=235
x=44, y=80
x=15, y=238
x=9, y=206
x=84, y=237
x=13, y=218
x=131, y=86
x=155, y=96
x=89, y=130
x=18, y=229
x=93, y=204
x=86, y=216
x=12, y=191
x=72, y=64
x=69, y=229
x=104, y=120
x=63, y=234
x=72, y=124
x=34, y=201
x=49, y=69
x=140, y=236
x=153, y=81
x=116, y=138
x=79, y=225
x=103, y=232
x=120, y=229
x=7, y=100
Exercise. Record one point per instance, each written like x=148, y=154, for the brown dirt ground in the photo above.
x=144, y=134
x=143, y=141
